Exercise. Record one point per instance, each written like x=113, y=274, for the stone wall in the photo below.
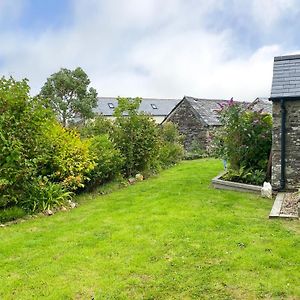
x=190, y=125
x=292, y=170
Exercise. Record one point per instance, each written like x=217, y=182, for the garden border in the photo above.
x=234, y=186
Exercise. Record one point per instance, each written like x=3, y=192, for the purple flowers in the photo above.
x=225, y=104
x=230, y=102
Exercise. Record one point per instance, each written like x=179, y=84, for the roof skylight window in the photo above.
x=111, y=105
x=153, y=106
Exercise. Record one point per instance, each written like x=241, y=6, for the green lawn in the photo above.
x=170, y=237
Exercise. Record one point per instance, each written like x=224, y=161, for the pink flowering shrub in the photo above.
x=244, y=140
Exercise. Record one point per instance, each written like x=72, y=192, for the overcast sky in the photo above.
x=151, y=48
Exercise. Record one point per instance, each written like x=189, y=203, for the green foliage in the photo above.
x=11, y=213
x=42, y=194
x=42, y=163
x=68, y=95
x=243, y=175
x=33, y=146
x=136, y=136
x=107, y=158
x=244, y=140
x=100, y=125
x=22, y=121
x=171, y=150
x=195, y=151
x=68, y=160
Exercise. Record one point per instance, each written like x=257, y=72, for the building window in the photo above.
x=153, y=106
x=111, y=105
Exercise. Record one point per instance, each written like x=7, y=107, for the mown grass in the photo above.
x=170, y=237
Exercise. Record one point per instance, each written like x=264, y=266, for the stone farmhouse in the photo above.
x=285, y=95
x=157, y=108
x=196, y=119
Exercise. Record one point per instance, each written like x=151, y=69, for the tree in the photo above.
x=67, y=93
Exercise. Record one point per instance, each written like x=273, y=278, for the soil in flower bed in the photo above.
x=290, y=204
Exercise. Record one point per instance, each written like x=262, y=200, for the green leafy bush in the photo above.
x=242, y=175
x=196, y=151
x=136, y=136
x=171, y=150
x=42, y=194
x=108, y=160
x=244, y=140
x=21, y=126
x=100, y=125
x=68, y=160
x=32, y=146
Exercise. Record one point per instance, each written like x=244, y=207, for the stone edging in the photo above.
x=234, y=186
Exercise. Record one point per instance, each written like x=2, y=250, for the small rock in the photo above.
x=139, y=177
x=131, y=180
x=2, y=225
x=63, y=208
x=72, y=204
x=48, y=212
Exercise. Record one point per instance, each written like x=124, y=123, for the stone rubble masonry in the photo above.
x=191, y=126
x=292, y=170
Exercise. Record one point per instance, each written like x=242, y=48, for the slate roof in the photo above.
x=206, y=109
x=286, y=76
x=261, y=104
x=155, y=107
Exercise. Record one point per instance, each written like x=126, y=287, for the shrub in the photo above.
x=33, y=146
x=244, y=140
x=196, y=151
x=42, y=194
x=108, y=160
x=136, y=136
x=100, y=125
x=68, y=160
x=245, y=176
x=21, y=121
x=171, y=150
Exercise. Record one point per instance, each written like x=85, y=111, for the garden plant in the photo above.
x=244, y=141
x=43, y=164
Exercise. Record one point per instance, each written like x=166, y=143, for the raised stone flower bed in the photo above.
x=219, y=183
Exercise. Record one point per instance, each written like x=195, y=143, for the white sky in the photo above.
x=152, y=48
